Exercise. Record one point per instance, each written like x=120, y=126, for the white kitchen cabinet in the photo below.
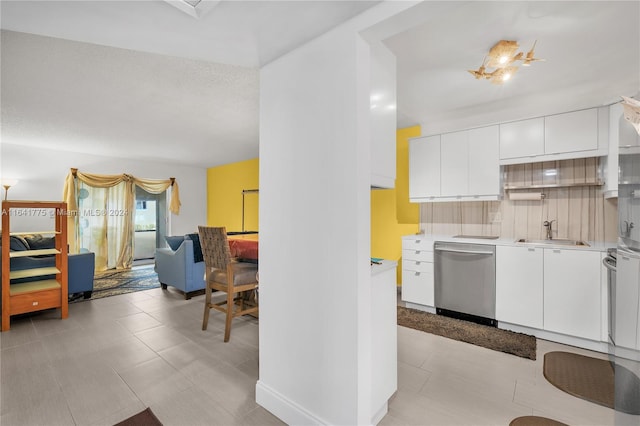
x=628, y=137
x=384, y=339
x=626, y=303
x=417, y=271
x=383, y=117
x=572, y=296
x=610, y=162
x=424, y=168
x=454, y=164
x=576, y=134
x=484, y=167
x=571, y=132
x=523, y=138
x=519, y=285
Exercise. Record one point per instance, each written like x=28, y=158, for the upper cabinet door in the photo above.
x=572, y=131
x=454, y=172
x=484, y=167
x=522, y=138
x=383, y=117
x=424, y=168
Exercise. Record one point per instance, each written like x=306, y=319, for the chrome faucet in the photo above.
x=628, y=226
x=547, y=224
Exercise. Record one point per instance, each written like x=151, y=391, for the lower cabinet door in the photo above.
x=572, y=296
x=417, y=286
x=519, y=285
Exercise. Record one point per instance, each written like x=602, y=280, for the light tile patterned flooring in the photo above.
x=115, y=356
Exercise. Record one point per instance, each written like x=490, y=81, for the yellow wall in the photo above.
x=224, y=195
x=392, y=216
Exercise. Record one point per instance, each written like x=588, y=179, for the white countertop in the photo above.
x=385, y=265
x=511, y=241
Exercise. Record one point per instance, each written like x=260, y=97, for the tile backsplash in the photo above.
x=580, y=212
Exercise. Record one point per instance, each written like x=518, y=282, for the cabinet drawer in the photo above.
x=417, y=266
x=417, y=244
x=420, y=255
x=417, y=287
x=35, y=301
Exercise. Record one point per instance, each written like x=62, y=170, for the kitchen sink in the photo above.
x=555, y=241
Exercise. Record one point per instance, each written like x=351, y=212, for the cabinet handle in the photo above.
x=34, y=303
x=417, y=241
x=557, y=251
x=417, y=262
x=531, y=249
x=417, y=273
x=417, y=252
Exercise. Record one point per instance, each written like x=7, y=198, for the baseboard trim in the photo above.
x=424, y=308
x=283, y=408
x=557, y=337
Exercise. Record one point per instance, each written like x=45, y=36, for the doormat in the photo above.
x=143, y=418
x=595, y=380
x=519, y=344
x=535, y=421
x=115, y=282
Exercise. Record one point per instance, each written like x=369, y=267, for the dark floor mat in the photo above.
x=535, y=421
x=494, y=338
x=595, y=380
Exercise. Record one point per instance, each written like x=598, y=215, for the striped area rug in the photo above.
x=114, y=282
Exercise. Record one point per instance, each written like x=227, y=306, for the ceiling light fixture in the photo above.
x=502, y=57
x=195, y=8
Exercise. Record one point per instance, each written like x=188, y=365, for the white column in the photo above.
x=315, y=177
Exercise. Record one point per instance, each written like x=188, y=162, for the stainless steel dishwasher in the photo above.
x=465, y=281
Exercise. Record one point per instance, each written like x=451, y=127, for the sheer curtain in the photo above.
x=101, y=214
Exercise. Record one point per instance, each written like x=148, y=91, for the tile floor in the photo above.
x=115, y=356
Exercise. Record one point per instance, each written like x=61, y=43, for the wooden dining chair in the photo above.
x=223, y=273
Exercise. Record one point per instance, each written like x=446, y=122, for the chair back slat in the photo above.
x=215, y=247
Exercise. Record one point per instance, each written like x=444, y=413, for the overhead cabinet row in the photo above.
x=577, y=134
x=455, y=166
x=465, y=165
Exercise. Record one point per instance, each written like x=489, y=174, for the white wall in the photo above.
x=41, y=174
x=315, y=297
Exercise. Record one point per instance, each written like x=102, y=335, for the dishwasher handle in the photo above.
x=450, y=250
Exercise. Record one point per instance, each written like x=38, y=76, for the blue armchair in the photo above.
x=81, y=270
x=178, y=269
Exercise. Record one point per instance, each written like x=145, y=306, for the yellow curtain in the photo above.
x=116, y=251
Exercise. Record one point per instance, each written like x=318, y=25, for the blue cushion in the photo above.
x=38, y=242
x=18, y=243
x=174, y=241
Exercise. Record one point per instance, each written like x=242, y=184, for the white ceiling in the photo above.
x=145, y=78
x=592, y=52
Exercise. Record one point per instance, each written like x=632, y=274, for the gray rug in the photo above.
x=519, y=344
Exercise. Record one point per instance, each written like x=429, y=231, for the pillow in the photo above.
x=174, y=241
x=38, y=242
x=18, y=243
